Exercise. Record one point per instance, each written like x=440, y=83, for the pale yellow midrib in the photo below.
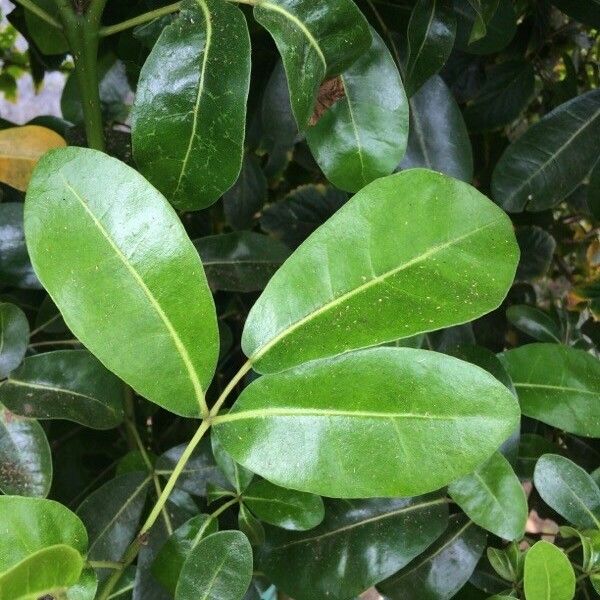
x=258, y=354
x=181, y=349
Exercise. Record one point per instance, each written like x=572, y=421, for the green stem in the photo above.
x=229, y=388
x=72, y=342
x=140, y=19
x=104, y=564
x=39, y=12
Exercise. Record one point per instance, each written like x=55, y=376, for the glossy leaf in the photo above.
x=14, y=337
x=531, y=447
x=219, y=568
x=534, y=322
x=438, y=137
x=283, y=507
x=112, y=513
x=239, y=477
x=25, y=459
x=394, y=258
x=443, y=568
x=15, y=268
x=548, y=573
x=315, y=42
x=551, y=158
x=360, y=543
x=507, y=562
x=20, y=150
x=434, y=418
x=49, y=39
x=65, y=384
x=250, y=526
x=492, y=496
x=242, y=261
x=190, y=109
x=509, y=87
x=140, y=288
x=431, y=33
x=569, y=490
x=363, y=135
x=169, y=561
x=557, y=385
x=537, y=249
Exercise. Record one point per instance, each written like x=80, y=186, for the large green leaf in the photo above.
x=438, y=137
x=443, y=568
x=283, y=507
x=218, y=568
x=171, y=557
x=430, y=35
x=190, y=110
x=426, y=419
x=569, y=490
x=65, y=384
x=125, y=276
x=492, y=496
x=315, y=41
x=557, y=385
x=363, y=135
x=360, y=543
x=551, y=158
x=25, y=458
x=534, y=322
x=14, y=337
x=49, y=39
x=237, y=476
x=416, y=244
x=537, y=249
x=548, y=573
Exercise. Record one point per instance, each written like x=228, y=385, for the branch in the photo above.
x=140, y=19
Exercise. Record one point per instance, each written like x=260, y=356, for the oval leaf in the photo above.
x=492, y=496
x=282, y=507
x=363, y=135
x=65, y=384
x=443, y=568
x=416, y=244
x=315, y=42
x=360, y=543
x=557, y=385
x=140, y=288
x=569, y=490
x=14, y=337
x=190, y=109
x=426, y=418
x=551, y=158
x=219, y=568
x=25, y=458
x=548, y=573
x=21, y=148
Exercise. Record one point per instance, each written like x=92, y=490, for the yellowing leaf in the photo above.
x=21, y=148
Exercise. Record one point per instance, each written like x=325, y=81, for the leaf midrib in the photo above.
x=557, y=388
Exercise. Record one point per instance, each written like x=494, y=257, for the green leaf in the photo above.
x=443, y=568
x=531, y=447
x=537, y=249
x=590, y=546
x=239, y=477
x=139, y=289
x=508, y=562
x=25, y=458
x=438, y=137
x=508, y=89
x=548, y=573
x=47, y=572
x=534, y=322
x=15, y=268
x=283, y=507
x=190, y=111
x=49, y=39
x=14, y=337
x=360, y=543
x=111, y=515
x=484, y=12
x=551, y=158
x=65, y=384
x=586, y=11
x=569, y=490
x=456, y=263
x=242, y=261
x=434, y=417
x=557, y=385
x=363, y=135
x=314, y=44
x=250, y=526
x=492, y=496
x=170, y=559
x=219, y=568
x=430, y=35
